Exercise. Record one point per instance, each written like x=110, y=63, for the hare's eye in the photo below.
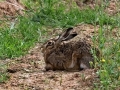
x=49, y=43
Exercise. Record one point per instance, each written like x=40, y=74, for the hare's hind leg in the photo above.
x=74, y=60
x=74, y=64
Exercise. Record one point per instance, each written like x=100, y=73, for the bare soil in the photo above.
x=28, y=73
x=11, y=8
x=111, y=7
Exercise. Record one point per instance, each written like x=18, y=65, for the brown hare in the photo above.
x=67, y=52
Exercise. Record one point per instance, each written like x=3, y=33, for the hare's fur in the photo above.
x=71, y=54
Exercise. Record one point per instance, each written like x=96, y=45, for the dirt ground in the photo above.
x=111, y=7
x=28, y=73
x=11, y=8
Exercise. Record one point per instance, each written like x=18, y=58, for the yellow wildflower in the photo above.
x=103, y=60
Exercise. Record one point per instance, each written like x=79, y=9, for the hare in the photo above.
x=67, y=52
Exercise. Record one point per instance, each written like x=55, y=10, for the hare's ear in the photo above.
x=70, y=36
x=65, y=34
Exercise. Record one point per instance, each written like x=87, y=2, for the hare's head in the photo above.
x=51, y=46
x=55, y=42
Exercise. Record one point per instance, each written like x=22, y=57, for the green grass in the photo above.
x=109, y=63
x=3, y=75
x=52, y=15
x=18, y=36
x=17, y=39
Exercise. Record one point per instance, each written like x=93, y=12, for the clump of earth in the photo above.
x=11, y=8
x=111, y=7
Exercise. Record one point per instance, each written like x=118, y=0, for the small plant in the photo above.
x=3, y=77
